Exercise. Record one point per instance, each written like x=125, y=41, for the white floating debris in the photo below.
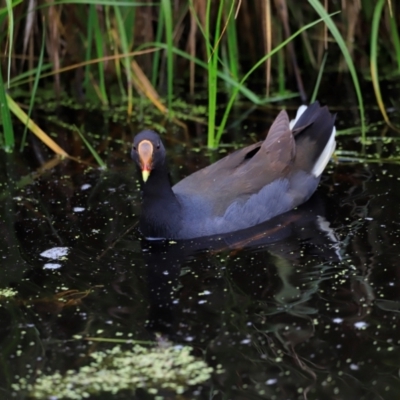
x=271, y=381
x=354, y=367
x=337, y=320
x=51, y=266
x=360, y=325
x=79, y=209
x=55, y=253
x=86, y=186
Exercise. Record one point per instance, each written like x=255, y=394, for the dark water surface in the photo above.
x=305, y=306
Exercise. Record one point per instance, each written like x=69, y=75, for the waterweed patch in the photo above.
x=162, y=368
x=7, y=292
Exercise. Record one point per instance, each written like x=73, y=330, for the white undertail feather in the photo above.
x=299, y=113
x=326, y=154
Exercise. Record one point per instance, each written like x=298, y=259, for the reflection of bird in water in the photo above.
x=261, y=259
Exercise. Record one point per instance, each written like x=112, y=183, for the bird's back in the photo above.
x=260, y=181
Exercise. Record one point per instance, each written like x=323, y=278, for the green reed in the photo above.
x=124, y=33
x=98, y=37
x=376, y=20
x=394, y=30
x=34, y=89
x=258, y=64
x=319, y=78
x=350, y=64
x=7, y=141
x=166, y=7
x=108, y=28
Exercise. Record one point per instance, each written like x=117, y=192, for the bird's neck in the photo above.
x=161, y=210
x=158, y=187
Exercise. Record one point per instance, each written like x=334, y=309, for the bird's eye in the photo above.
x=134, y=148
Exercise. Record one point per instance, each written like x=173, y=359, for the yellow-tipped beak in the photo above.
x=145, y=150
x=145, y=174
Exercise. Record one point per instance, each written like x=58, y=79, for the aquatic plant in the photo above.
x=7, y=292
x=111, y=371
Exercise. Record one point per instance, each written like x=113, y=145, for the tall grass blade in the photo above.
x=34, y=89
x=22, y=78
x=143, y=85
x=260, y=62
x=241, y=88
x=319, y=77
x=318, y=7
x=156, y=59
x=394, y=30
x=98, y=39
x=211, y=84
x=3, y=17
x=281, y=66
x=374, y=57
x=267, y=32
x=231, y=35
x=229, y=50
x=21, y=115
x=89, y=40
x=212, y=55
x=88, y=62
x=10, y=37
x=91, y=149
x=118, y=64
x=4, y=11
x=167, y=11
x=8, y=131
x=126, y=61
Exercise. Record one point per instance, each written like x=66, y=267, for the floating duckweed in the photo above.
x=114, y=370
x=7, y=293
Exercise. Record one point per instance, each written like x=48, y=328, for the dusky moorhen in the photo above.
x=241, y=190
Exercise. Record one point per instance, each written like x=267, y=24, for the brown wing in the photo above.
x=245, y=172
